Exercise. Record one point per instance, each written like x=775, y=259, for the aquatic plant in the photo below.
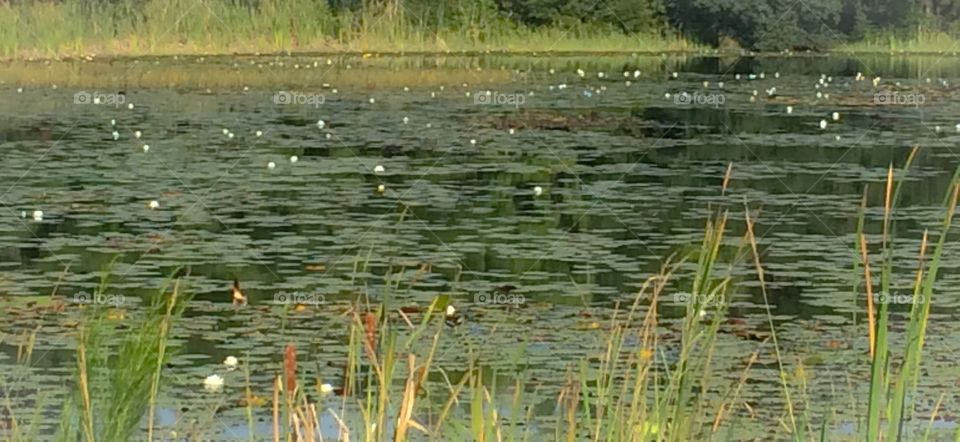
x=642, y=386
x=117, y=382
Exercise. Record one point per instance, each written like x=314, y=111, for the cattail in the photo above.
x=290, y=368
x=370, y=331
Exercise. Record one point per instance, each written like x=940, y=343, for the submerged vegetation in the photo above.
x=43, y=28
x=645, y=384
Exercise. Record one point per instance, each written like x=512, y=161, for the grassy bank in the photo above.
x=165, y=27
x=922, y=43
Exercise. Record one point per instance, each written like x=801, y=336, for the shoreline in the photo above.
x=507, y=52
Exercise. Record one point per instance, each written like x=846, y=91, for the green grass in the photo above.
x=118, y=373
x=923, y=42
x=154, y=27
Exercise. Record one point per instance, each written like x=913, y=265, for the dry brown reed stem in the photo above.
x=865, y=258
x=276, y=409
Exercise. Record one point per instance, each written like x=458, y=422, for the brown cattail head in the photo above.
x=290, y=368
x=370, y=329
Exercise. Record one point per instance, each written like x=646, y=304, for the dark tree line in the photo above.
x=754, y=24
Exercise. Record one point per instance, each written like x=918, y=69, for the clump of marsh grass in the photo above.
x=153, y=27
x=922, y=42
x=892, y=393
x=116, y=386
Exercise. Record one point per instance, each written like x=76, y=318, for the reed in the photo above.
x=119, y=374
x=154, y=27
x=933, y=42
x=892, y=393
x=637, y=389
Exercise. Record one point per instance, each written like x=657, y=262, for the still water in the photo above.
x=571, y=179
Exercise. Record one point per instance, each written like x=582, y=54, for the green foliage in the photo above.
x=40, y=27
x=772, y=25
x=629, y=16
x=763, y=25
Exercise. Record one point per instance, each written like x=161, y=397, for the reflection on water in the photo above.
x=627, y=176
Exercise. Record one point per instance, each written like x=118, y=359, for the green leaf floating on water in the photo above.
x=29, y=301
x=815, y=359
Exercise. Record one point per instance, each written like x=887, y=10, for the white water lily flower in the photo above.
x=154, y=204
x=271, y=165
x=38, y=215
x=537, y=190
x=294, y=159
x=378, y=169
x=231, y=362
x=213, y=383
x=326, y=388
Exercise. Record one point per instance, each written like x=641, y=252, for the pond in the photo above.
x=558, y=183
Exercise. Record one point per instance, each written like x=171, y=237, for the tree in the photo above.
x=628, y=16
x=761, y=24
